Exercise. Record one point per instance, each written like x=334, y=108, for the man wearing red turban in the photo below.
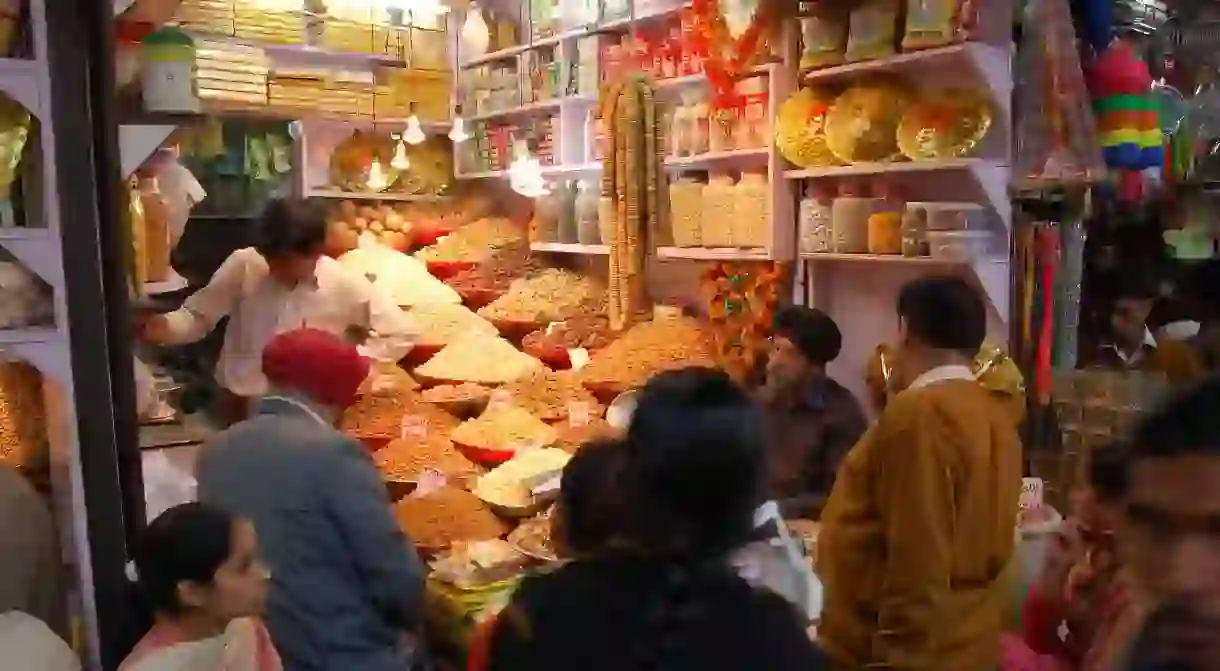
x=346, y=584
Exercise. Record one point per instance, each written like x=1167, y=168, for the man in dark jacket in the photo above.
x=1171, y=536
x=347, y=586
x=813, y=419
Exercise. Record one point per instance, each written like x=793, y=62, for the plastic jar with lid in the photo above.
x=686, y=212
x=885, y=223
x=568, y=223
x=680, y=130
x=849, y=219
x=588, y=193
x=914, y=230
x=751, y=211
x=717, y=216
x=700, y=131
x=814, y=219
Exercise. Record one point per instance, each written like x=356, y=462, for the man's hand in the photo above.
x=152, y=329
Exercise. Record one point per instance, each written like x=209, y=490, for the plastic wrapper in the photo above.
x=1057, y=142
x=165, y=485
x=873, y=28
x=823, y=38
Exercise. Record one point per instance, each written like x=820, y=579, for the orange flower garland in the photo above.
x=741, y=299
x=726, y=58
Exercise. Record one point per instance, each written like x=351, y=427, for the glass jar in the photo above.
x=814, y=221
x=588, y=193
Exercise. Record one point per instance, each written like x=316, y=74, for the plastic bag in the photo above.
x=146, y=388
x=165, y=485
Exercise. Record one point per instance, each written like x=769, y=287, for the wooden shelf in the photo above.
x=702, y=161
x=374, y=195
x=548, y=171
x=865, y=169
x=569, y=248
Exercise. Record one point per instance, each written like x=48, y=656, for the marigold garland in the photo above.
x=726, y=58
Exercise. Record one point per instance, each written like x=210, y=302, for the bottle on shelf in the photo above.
x=815, y=216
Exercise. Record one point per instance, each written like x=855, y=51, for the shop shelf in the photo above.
x=714, y=253
x=19, y=79
x=28, y=334
x=569, y=248
x=702, y=161
x=549, y=171
x=520, y=110
x=137, y=142
x=896, y=259
x=374, y=195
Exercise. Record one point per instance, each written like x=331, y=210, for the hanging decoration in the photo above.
x=741, y=300
x=457, y=132
x=728, y=53
x=476, y=37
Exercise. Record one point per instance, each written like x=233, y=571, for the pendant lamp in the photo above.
x=475, y=35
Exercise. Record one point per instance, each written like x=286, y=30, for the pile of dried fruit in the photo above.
x=589, y=332
x=647, y=349
x=438, y=519
x=548, y=395
x=380, y=416
x=391, y=226
x=474, y=242
x=549, y=296
x=405, y=459
x=23, y=416
x=441, y=324
x=498, y=272
x=506, y=428
x=480, y=358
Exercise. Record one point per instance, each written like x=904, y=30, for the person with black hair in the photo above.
x=1131, y=345
x=199, y=567
x=666, y=597
x=919, y=526
x=813, y=419
x=283, y=282
x=1170, y=530
x=585, y=520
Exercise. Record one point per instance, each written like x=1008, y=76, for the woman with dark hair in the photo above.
x=200, y=569
x=586, y=519
x=666, y=597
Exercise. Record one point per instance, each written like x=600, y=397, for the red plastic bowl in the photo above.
x=443, y=270
x=485, y=455
x=422, y=237
x=554, y=357
x=477, y=298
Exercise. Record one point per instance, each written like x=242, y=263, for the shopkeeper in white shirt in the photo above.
x=282, y=283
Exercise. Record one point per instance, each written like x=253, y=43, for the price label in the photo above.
x=580, y=413
x=579, y=357
x=499, y=400
x=429, y=481
x=413, y=426
x=546, y=487
x=550, y=328
x=1032, y=492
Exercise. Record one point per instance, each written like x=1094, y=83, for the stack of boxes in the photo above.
x=231, y=74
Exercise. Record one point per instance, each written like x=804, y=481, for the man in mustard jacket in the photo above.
x=920, y=523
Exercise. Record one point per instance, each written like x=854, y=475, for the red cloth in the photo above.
x=322, y=365
x=478, y=652
x=1041, y=616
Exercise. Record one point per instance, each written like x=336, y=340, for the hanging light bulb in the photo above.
x=475, y=35
x=400, y=160
x=376, y=180
x=457, y=132
x=414, y=133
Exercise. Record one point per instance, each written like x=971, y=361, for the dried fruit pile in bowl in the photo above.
x=590, y=332
x=474, y=242
x=380, y=416
x=442, y=323
x=498, y=272
x=504, y=428
x=405, y=459
x=574, y=437
x=440, y=518
x=646, y=349
x=391, y=226
x=476, y=357
x=548, y=395
x=548, y=296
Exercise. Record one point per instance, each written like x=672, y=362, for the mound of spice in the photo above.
x=436, y=520
x=574, y=437
x=590, y=332
x=647, y=349
x=497, y=273
x=381, y=416
x=405, y=459
x=549, y=395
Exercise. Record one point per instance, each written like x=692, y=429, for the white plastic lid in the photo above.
x=934, y=206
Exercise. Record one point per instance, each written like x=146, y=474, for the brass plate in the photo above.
x=862, y=124
x=944, y=124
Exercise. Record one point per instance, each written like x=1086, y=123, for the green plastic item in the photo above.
x=168, y=44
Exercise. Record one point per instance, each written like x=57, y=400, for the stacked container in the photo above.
x=686, y=212
x=751, y=221
x=719, y=198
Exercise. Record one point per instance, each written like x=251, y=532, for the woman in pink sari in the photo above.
x=200, y=568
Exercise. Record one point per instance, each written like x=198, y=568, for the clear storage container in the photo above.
x=751, y=223
x=686, y=212
x=814, y=219
x=962, y=246
x=849, y=221
x=588, y=193
x=717, y=216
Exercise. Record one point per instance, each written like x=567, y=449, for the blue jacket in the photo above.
x=346, y=584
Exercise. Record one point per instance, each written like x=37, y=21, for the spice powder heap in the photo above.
x=404, y=460
x=647, y=349
x=449, y=515
x=548, y=394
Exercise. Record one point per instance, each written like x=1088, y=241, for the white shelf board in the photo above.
x=760, y=154
x=548, y=171
x=569, y=248
x=27, y=334
x=373, y=195
x=864, y=169
x=37, y=249
x=19, y=79
x=893, y=259
x=137, y=142
x=714, y=253
x=428, y=126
